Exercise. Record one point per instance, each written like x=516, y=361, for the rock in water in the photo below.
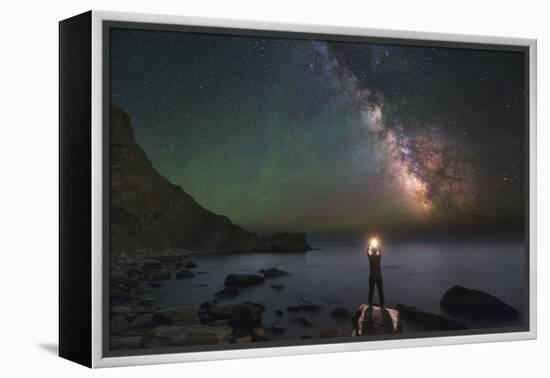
x=243, y=279
x=475, y=304
x=371, y=320
x=148, y=211
x=427, y=320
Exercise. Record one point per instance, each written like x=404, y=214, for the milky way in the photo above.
x=425, y=166
x=284, y=134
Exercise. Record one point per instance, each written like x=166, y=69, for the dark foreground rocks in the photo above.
x=427, y=321
x=475, y=304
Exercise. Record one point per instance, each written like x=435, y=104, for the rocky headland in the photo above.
x=150, y=215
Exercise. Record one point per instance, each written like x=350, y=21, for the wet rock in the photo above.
x=118, y=324
x=243, y=280
x=273, y=272
x=227, y=292
x=278, y=286
x=372, y=320
x=245, y=317
x=192, y=335
x=333, y=332
x=341, y=312
x=475, y=304
x=428, y=321
x=184, y=274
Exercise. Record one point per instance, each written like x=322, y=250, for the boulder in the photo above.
x=273, y=272
x=475, y=304
x=193, y=335
x=372, y=320
x=427, y=320
x=243, y=280
x=184, y=274
x=245, y=317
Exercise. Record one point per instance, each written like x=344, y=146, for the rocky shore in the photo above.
x=137, y=322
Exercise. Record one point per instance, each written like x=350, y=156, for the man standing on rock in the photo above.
x=374, y=253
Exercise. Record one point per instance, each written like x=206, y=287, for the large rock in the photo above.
x=372, y=320
x=428, y=321
x=149, y=212
x=243, y=279
x=246, y=317
x=475, y=304
x=192, y=335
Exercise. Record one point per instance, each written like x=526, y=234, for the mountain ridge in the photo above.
x=147, y=211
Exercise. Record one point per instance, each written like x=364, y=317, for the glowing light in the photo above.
x=374, y=242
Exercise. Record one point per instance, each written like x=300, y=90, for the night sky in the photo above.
x=330, y=137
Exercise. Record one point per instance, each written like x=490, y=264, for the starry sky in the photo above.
x=320, y=136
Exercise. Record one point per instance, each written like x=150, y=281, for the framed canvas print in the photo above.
x=236, y=189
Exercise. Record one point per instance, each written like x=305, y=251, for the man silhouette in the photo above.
x=374, y=253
